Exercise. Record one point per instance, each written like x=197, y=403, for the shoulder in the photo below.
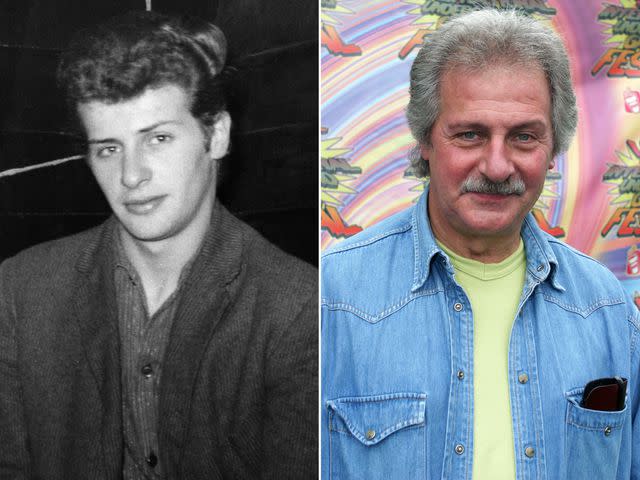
x=582, y=285
x=273, y=268
x=372, y=268
x=571, y=270
x=578, y=269
x=379, y=235
x=49, y=262
x=274, y=295
x=38, y=281
x=393, y=234
x=276, y=281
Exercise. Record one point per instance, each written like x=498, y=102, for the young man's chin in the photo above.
x=152, y=232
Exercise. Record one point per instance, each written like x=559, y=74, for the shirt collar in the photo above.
x=121, y=260
x=542, y=264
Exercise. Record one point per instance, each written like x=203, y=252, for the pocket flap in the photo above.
x=371, y=419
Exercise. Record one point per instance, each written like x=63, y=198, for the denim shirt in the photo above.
x=397, y=361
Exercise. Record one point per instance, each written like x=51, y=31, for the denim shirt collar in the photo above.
x=542, y=264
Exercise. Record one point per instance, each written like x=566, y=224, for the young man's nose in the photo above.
x=135, y=170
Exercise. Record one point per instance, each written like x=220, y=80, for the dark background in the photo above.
x=270, y=177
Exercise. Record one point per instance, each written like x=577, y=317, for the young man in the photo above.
x=458, y=338
x=172, y=341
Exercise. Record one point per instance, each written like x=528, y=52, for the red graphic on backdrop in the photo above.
x=415, y=42
x=556, y=231
x=636, y=299
x=622, y=25
x=631, y=101
x=626, y=180
x=621, y=62
x=334, y=43
x=633, y=261
x=329, y=35
x=633, y=147
x=627, y=219
x=333, y=222
x=336, y=174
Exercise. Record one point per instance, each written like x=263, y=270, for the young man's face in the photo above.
x=154, y=162
x=494, y=126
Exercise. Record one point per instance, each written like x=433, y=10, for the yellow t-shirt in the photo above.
x=494, y=290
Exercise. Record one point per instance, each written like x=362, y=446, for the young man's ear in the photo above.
x=220, y=131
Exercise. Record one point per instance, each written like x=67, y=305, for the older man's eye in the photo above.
x=524, y=137
x=469, y=135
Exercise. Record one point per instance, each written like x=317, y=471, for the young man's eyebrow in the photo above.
x=93, y=141
x=156, y=125
x=142, y=130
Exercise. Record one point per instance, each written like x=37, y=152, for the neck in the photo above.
x=159, y=263
x=485, y=250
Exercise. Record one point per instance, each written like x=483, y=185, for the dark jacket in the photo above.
x=239, y=388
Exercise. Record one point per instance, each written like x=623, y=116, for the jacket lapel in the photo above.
x=96, y=314
x=203, y=302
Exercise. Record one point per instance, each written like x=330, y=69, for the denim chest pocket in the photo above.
x=378, y=437
x=593, y=439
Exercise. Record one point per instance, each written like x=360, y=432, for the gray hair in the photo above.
x=474, y=41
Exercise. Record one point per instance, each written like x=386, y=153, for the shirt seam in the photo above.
x=633, y=321
x=375, y=318
x=368, y=241
x=584, y=312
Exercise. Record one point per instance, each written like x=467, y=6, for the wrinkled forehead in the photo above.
x=460, y=67
x=501, y=71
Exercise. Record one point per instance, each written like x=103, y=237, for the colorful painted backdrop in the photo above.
x=591, y=199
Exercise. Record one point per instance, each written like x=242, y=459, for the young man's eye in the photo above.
x=108, y=151
x=159, y=138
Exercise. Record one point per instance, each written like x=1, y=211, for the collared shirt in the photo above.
x=143, y=341
x=397, y=360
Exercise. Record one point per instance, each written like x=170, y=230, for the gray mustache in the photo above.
x=511, y=186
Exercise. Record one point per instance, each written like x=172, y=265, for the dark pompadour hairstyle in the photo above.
x=121, y=58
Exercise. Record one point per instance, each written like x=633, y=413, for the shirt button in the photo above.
x=529, y=452
x=371, y=434
x=152, y=460
x=147, y=370
x=523, y=378
x=460, y=375
x=540, y=268
x=457, y=307
x=607, y=430
x=459, y=449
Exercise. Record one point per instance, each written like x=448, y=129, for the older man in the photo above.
x=172, y=341
x=459, y=340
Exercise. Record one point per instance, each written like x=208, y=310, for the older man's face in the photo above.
x=493, y=134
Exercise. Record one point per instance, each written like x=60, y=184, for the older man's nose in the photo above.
x=496, y=164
